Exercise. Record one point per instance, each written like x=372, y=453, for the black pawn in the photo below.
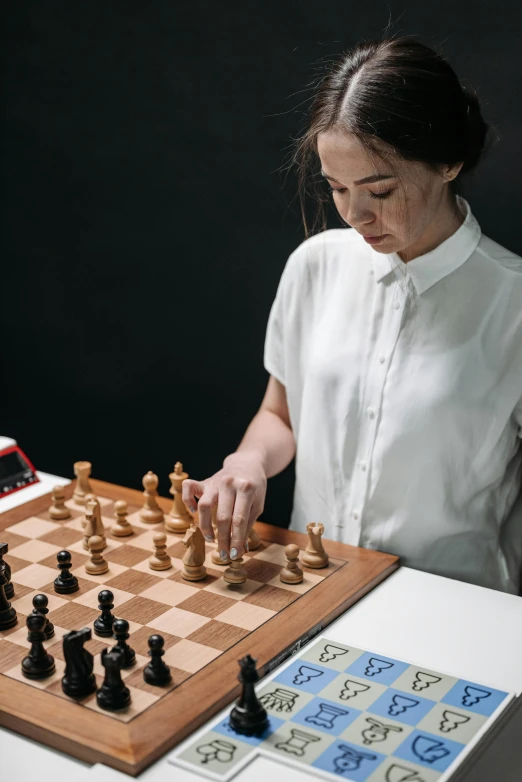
x=65, y=583
x=113, y=694
x=156, y=672
x=103, y=624
x=78, y=680
x=248, y=717
x=120, y=631
x=8, y=616
x=40, y=603
x=38, y=664
x=9, y=587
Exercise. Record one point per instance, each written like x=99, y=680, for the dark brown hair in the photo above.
x=398, y=91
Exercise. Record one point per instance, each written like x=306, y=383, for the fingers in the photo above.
x=226, y=500
x=190, y=490
x=239, y=526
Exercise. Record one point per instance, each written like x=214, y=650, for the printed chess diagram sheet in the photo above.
x=354, y=714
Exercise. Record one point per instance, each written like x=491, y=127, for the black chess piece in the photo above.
x=40, y=603
x=79, y=679
x=157, y=672
x=113, y=695
x=103, y=624
x=120, y=631
x=38, y=664
x=8, y=616
x=9, y=587
x=248, y=717
x=65, y=583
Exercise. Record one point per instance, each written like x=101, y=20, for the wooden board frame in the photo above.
x=131, y=747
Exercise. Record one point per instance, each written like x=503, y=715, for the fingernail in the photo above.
x=193, y=509
x=210, y=538
x=233, y=553
x=247, y=548
x=223, y=555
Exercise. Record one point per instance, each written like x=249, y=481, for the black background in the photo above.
x=147, y=220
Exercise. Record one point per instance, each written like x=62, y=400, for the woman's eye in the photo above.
x=372, y=195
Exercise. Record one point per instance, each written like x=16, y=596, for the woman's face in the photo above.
x=411, y=204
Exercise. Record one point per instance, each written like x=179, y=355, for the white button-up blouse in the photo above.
x=404, y=389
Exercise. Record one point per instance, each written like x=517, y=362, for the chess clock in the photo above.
x=16, y=471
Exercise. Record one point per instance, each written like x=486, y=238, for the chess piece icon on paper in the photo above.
x=351, y=759
x=378, y=731
x=280, y=700
x=193, y=559
x=160, y=560
x=220, y=750
x=314, y=555
x=121, y=527
x=297, y=743
x=399, y=773
x=82, y=470
x=151, y=512
x=59, y=509
x=179, y=519
x=451, y=720
x=424, y=680
x=331, y=652
x=326, y=716
x=351, y=689
x=429, y=749
x=305, y=674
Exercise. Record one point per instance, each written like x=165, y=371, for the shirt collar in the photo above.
x=427, y=269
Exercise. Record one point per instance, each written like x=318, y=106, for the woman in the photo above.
x=395, y=348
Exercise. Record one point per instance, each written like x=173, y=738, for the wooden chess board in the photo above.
x=207, y=626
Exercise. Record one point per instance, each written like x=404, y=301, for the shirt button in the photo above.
x=355, y=514
x=382, y=359
x=371, y=412
x=362, y=465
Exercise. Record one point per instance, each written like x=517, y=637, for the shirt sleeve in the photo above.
x=282, y=317
x=518, y=418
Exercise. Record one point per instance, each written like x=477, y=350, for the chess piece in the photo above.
x=216, y=559
x=38, y=664
x=157, y=672
x=103, y=624
x=151, y=512
x=120, y=631
x=93, y=524
x=121, y=527
x=65, y=583
x=9, y=587
x=160, y=560
x=40, y=603
x=78, y=680
x=113, y=695
x=254, y=541
x=8, y=616
x=58, y=509
x=96, y=565
x=248, y=717
x=235, y=573
x=82, y=470
x=314, y=555
x=291, y=573
x=179, y=519
x=193, y=567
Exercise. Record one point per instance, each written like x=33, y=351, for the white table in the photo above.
x=446, y=625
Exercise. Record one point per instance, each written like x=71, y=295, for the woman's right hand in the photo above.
x=239, y=491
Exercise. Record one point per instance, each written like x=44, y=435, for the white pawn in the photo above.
x=97, y=564
x=291, y=573
x=235, y=573
x=151, y=512
x=121, y=526
x=58, y=509
x=160, y=560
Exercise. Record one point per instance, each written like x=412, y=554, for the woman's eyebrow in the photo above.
x=366, y=181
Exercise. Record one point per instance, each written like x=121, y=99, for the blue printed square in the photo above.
x=428, y=750
x=226, y=729
x=401, y=706
x=306, y=676
x=349, y=761
x=326, y=716
x=475, y=698
x=377, y=668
